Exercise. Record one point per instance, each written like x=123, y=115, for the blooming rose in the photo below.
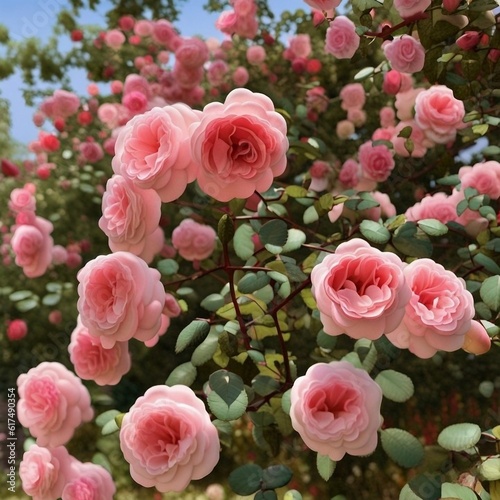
x=32, y=245
x=439, y=312
x=352, y=96
x=91, y=152
x=484, y=176
x=194, y=241
x=349, y=173
x=300, y=45
x=168, y=439
x=256, y=54
x=360, y=291
x=22, y=200
x=376, y=162
x=88, y=481
x=408, y=8
x=52, y=403
x=93, y=362
x=130, y=218
x=240, y=76
x=240, y=145
x=335, y=408
x=136, y=83
x=405, y=54
x=17, y=329
x=44, y=472
x=136, y=102
x=344, y=129
x=153, y=150
x=439, y=114
x=323, y=5
x=114, y=39
x=120, y=297
x=341, y=41
x=192, y=51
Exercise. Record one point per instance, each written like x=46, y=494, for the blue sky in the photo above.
x=37, y=17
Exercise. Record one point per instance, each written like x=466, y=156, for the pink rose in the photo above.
x=349, y=173
x=323, y=5
x=439, y=312
x=405, y=103
x=53, y=402
x=341, y=41
x=240, y=76
x=356, y=116
x=405, y=54
x=194, y=241
x=93, y=362
x=376, y=162
x=408, y=8
x=32, y=246
x=88, y=481
x=335, y=408
x=192, y=52
x=439, y=114
x=227, y=22
x=44, y=472
x=120, y=297
x=64, y=104
x=344, y=129
x=168, y=439
x=114, y=39
x=164, y=33
x=130, y=218
x=240, y=145
x=469, y=40
x=136, y=83
x=360, y=291
x=352, y=96
x=484, y=176
x=256, y=54
x=22, y=200
x=143, y=27
x=136, y=102
x=17, y=329
x=300, y=45
x=153, y=150
x=91, y=152
x=109, y=114
x=417, y=137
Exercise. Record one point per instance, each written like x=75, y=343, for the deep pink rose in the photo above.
x=439, y=313
x=469, y=40
x=88, y=481
x=32, y=245
x=93, y=362
x=484, y=176
x=194, y=241
x=136, y=83
x=164, y=33
x=136, y=102
x=168, y=439
x=153, y=150
x=439, y=114
x=130, y=218
x=53, y=402
x=342, y=41
x=335, y=408
x=360, y=291
x=22, y=200
x=405, y=54
x=44, y=471
x=376, y=162
x=120, y=298
x=240, y=145
x=352, y=95
x=408, y=8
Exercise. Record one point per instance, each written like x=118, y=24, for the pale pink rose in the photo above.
x=192, y=52
x=350, y=173
x=376, y=162
x=342, y=41
x=417, y=137
x=316, y=100
x=22, y=200
x=356, y=116
x=300, y=45
x=136, y=102
x=216, y=72
x=360, y=291
x=240, y=145
x=88, y=481
x=383, y=134
x=247, y=26
x=484, y=176
x=92, y=362
x=408, y=8
x=352, y=95
x=439, y=313
x=108, y=113
x=437, y=206
x=227, y=22
x=244, y=7
x=256, y=54
x=114, y=39
x=335, y=408
x=53, y=402
x=165, y=323
x=153, y=150
x=120, y=298
x=91, y=152
x=344, y=129
x=240, y=76
x=323, y=5
x=64, y=104
x=168, y=439
x=439, y=114
x=405, y=102
x=477, y=341
x=405, y=54
x=32, y=246
x=194, y=241
x=130, y=218
x=385, y=209
x=136, y=83
x=143, y=28
x=44, y=472
x=387, y=117
x=164, y=33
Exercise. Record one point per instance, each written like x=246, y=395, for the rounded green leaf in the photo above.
x=20, y=295
x=374, y=232
x=110, y=427
x=228, y=399
x=325, y=465
x=264, y=385
x=459, y=437
x=364, y=73
x=432, y=227
x=296, y=238
x=167, y=267
x=310, y=215
x=51, y=299
x=286, y=403
x=195, y=331
x=490, y=292
x=212, y=302
x=276, y=476
x=105, y=417
x=406, y=450
x=292, y=495
x=245, y=480
x=451, y=490
x=253, y=281
x=407, y=493
x=184, y=374
x=243, y=244
x=266, y=495
x=395, y=386
x=205, y=351
x=274, y=232
x=26, y=305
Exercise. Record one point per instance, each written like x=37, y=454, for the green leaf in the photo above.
x=449, y=180
x=296, y=191
x=264, y=385
x=364, y=73
x=245, y=480
x=490, y=292
x=296, y=238
x=406, y=450
x=51, y=299
x=53, y=287
x=310, y=215
x=427, y=485
x=395, y=386
x=286, y=403
x=274, y=232
x=105, y=417
x=225, y=229
x=205, y=351
x=266, y=495
x=243, y=244
x=167, y=267
x=228, y=399
x=488, y=263
x=325, y=465
x=459, y=437
x=407, y=493
x=184, y=374
x=109, y=427
x=253, y=281
x=326, y=341
x=292, y=495
x=408, y=242
x=276, y=476
x=451, y=490
x=20, y=295
x=26, y=305
x=195, y=331
x=374, y=232
x=432, y=227
x=212, y=302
